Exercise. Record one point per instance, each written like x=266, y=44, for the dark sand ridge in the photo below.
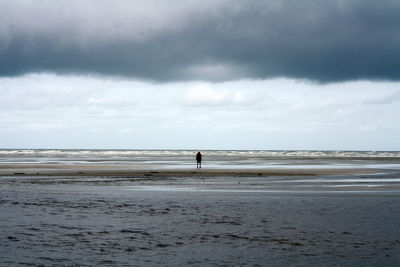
x=137, y=171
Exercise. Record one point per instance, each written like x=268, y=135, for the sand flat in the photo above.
x=126, y=170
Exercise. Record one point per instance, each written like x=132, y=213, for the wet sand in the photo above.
x=126, y=170
x=80, y=216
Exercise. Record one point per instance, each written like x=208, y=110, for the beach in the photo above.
x=199, y=133
x=113, y=214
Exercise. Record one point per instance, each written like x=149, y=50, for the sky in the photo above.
x=211, y=74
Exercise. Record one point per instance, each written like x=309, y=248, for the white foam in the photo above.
x=235, y=159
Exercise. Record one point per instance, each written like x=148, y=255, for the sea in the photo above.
x=212, y=159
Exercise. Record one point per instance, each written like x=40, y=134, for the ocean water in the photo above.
x=214, y=159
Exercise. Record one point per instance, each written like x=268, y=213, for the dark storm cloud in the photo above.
x=325, y=41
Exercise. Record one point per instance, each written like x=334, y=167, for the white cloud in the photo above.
x=127, y=131
x=203, y=95
x=386, y=99
x=272, y=114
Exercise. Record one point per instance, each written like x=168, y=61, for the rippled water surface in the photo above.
x=175, y=159
x=115, y=226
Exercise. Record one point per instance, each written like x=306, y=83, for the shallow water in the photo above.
x=178, y=159
x=266, y=221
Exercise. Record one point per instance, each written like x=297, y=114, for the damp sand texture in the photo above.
x=200, y=220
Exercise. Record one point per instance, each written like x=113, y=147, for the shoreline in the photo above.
x=126, y=171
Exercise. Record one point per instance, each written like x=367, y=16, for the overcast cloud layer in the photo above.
x=218, y=40
x=52, y=111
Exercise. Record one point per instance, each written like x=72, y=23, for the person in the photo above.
x=198, y=159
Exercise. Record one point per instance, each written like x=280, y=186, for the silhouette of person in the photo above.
x=198, y=159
